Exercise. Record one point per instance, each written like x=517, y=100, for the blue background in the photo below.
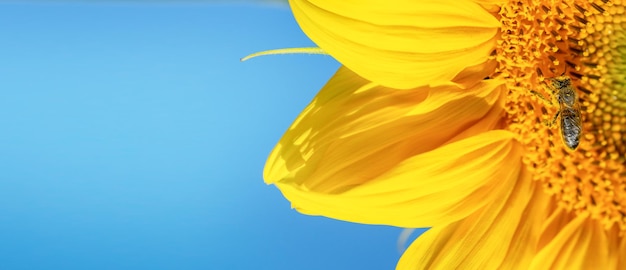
x=133, y=138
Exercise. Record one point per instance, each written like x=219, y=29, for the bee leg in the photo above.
x=551, y=123
x=542, y=98
x=550, y=88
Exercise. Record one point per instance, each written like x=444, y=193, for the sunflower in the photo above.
x=436, y=119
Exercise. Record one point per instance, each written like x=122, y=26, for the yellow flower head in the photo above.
x=500, y=124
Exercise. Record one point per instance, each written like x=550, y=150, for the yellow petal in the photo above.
x=499, y=236
x=492, y=6
x=437, y=187
x=621, y=254
x=355, y=136
x=542, y=236
x=353, y=122
x=581, y=243
x=400, y=44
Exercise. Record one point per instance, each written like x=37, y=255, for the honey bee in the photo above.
x=569, y=110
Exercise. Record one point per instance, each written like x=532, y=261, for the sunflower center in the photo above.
x=584, y=41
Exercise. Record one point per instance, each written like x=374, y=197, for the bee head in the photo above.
x=561, y=82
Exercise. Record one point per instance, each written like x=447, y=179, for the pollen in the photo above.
x=586, y=41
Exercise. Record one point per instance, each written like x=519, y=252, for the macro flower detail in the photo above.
x=442, y=117
x=582, y=40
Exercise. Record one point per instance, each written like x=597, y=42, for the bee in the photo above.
x=569, y=110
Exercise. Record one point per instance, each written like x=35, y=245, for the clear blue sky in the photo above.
x=133, y=138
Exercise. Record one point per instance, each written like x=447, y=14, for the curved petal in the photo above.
x=499, y=236
x=401, y=44
x=430, y=189
x=337, y=143
x=527, y=231
x=352, y=122
x=580, y=243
